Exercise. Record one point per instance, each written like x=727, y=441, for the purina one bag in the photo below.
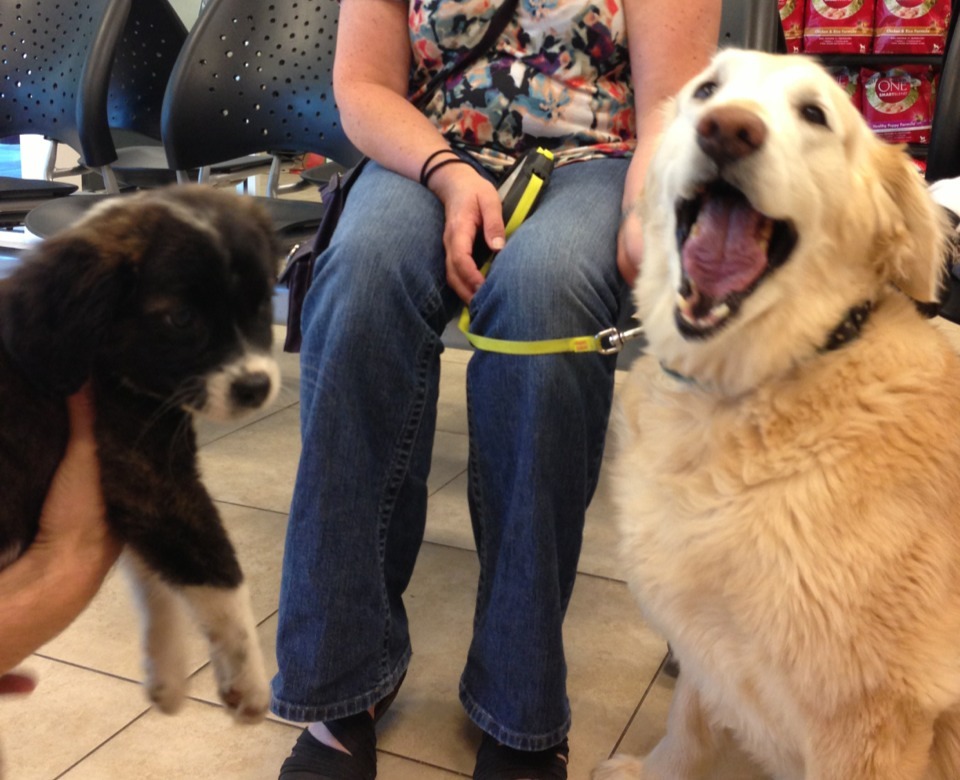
x=911, y=26
x=839, y=26
x=791, y=17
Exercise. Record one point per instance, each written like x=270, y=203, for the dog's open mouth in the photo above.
x=726, y=247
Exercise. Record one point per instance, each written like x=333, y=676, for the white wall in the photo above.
x=188, y=10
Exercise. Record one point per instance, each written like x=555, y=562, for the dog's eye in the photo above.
x=814, y=115
x=180, y=318
x=705, y=90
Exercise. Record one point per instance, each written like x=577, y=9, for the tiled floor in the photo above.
x=89, y=719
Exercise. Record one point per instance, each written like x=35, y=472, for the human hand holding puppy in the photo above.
x=44, y=590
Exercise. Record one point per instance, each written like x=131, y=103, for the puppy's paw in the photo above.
x=227, y=621
x=620, y=767
x=247, y=695
x=165, y=668
x=167, y=694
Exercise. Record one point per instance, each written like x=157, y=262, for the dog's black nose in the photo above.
x=729, y=133
x=250, y=390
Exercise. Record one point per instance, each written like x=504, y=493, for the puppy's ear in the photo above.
x=912, y=232
x=56, y=308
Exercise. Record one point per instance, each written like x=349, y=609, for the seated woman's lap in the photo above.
x=557, y=276
x=557, y=273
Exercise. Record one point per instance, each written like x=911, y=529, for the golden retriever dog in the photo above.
x=788, y=475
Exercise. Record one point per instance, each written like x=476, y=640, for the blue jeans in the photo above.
x=370, y=373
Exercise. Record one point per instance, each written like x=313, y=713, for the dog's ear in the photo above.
x=56, y=308
x=912, y=234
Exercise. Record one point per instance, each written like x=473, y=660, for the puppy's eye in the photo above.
x=814, y=115
x=180, y=318
x=705, y=90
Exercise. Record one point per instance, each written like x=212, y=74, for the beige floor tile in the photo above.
x=449, y=459
x=601, y=536
x=452, y=404
x=612, y=657
x=609, y=653
x=209, y=431
x=257, y=465
x=458, y=355
x=390, y=767
x=71, y=712
x=198, y=742
x=448, y=516
x=106, y=636
x=649, y=726
x=289, y=362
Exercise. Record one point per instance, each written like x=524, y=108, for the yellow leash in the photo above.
x=520, y=194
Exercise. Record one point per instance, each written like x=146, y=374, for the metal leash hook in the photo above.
x=611, y=341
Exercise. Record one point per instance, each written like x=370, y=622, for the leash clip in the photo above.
x=611, y=340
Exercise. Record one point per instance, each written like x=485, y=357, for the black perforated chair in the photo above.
x=253, y=76
x=54, y=75
x=145, y=55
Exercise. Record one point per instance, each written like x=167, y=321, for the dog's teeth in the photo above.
x=720, y=311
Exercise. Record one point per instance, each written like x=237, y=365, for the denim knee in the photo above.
x=557, y=275
x=386, y=258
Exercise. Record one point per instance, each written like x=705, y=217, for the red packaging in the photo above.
x=898, y=103
x=911, y=26
x=838, y=26
x=791, y=17
x=852, y=83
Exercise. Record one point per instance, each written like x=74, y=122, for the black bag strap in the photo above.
x=498, y=23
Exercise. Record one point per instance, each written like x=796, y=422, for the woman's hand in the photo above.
x=47, y=587
x=471, y=207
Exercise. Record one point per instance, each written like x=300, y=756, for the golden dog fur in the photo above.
x=790, y=515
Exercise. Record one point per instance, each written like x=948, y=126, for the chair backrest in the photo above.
x=255, y=76
x=752, y=24
x=55, y=61
x=152, y=39
x=943, y=155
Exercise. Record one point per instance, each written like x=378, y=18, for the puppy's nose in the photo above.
x=250, y=390
x=730, y=133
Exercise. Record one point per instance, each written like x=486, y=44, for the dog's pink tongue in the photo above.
x=724, y=253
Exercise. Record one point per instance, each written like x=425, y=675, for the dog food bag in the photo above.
x=911, y=26
x=849, y=79
x=791, y=17
x=898, y=103
x=839, y=26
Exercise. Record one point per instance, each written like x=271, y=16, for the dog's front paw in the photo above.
x=620, y=767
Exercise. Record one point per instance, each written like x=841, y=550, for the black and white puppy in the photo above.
x=163, y=301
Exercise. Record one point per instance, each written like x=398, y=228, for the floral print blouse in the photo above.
x=558, y=77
